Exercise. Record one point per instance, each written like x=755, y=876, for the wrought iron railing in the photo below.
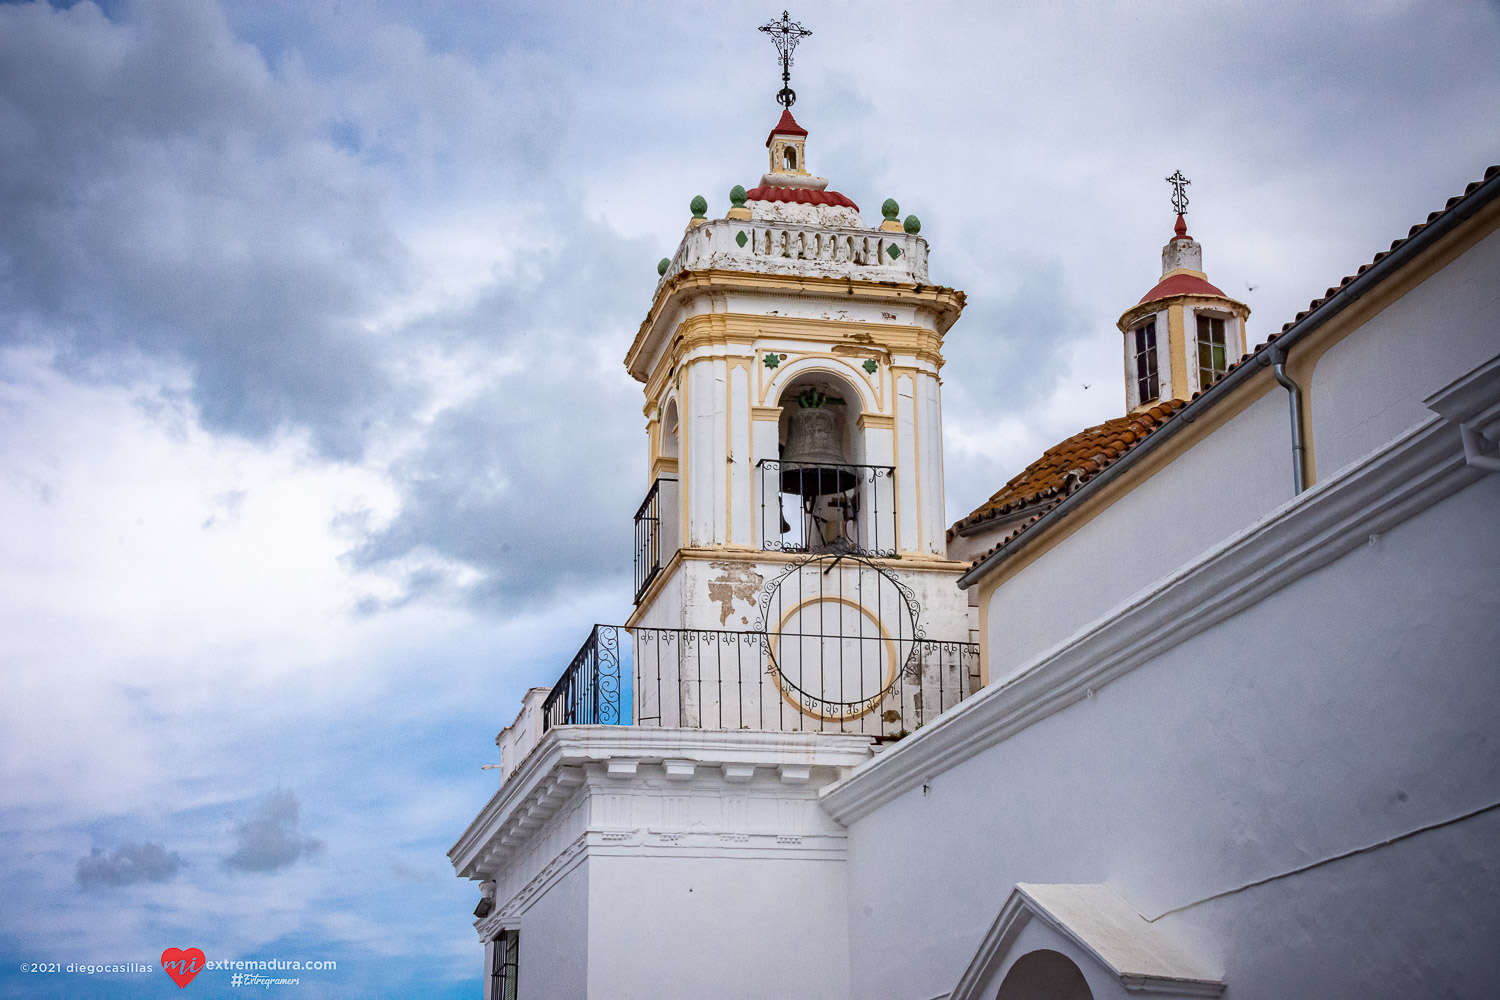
x=814, y=508
x=655, y=533
x=787, y=682
x=588, y=692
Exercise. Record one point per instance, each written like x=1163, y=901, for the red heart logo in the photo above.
x=181, y=965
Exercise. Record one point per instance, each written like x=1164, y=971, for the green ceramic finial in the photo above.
x=890, y=209
x=912, y=225
x=699, y=205
x=737, y=196
x=662, y=265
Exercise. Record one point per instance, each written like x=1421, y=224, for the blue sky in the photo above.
x=317, y=445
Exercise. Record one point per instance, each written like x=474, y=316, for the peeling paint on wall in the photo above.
x=735, y=581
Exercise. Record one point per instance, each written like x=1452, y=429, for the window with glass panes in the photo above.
x=1213, y=355
x=1146, y=385
x=503, y=975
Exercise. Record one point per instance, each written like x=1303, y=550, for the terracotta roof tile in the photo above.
x=1382, y=255
x=1068, y=464
x=786, y=126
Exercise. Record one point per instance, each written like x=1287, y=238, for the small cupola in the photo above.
x=788, y=145
x=1185, y=332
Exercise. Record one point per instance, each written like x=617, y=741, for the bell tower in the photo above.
x=1184, y=333
x=790, y=363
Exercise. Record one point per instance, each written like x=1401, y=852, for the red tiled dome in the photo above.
x=801, y=196
x=1182, y=284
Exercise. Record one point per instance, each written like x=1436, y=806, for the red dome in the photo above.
x=801, y=196
x=1182, y=284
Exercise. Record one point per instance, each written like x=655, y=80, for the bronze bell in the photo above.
x=813, y=462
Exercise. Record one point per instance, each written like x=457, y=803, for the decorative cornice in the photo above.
x=1312, y=530
x=556, y=768
x=943, y=304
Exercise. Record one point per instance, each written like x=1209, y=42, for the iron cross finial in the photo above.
x=1179, y=194
x=786, y=33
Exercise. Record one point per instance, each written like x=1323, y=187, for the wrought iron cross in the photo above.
x=786, y=33
x=1179, y=195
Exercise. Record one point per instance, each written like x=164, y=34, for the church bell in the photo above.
x=813, y=462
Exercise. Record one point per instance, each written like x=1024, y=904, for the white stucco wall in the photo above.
x=1225, y=482
x=553, y=960
x=1368, y=388
x=1355, y=705
x=693, y=927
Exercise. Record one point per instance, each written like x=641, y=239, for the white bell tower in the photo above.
x=791, y=364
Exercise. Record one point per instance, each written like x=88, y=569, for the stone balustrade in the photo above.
x=803, y=250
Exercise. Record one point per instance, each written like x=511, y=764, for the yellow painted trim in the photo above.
x=1051, y=535
x=1132, y=317
x=839, y=367
x=984, y=641
x=770, y=413
x=943, y=304
x=1303, y=358
x=871, y=421
x=1176, y=327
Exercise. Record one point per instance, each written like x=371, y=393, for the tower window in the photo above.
x=1213, y=356
x=1147, y=387
x=789, y=157
x=503, y=971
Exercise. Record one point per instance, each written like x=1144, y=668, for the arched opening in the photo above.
x=820, y=482
x=669, y=433
x=1044, y=975
x=789, y=158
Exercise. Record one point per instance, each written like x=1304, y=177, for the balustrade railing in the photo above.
x=811, y=508
x=743, y=244
x=655, y=533
x=786, y=682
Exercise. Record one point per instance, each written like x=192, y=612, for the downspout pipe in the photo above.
x=1294, y=396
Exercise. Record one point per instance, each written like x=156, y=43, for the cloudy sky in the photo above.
x=316, y=448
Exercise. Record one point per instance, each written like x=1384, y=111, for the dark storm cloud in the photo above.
x=127, y=865
x=164, y=194
x=269, y=838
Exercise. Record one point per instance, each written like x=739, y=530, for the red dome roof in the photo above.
x=801, y=196
x=787, y=126
x=1182, y=284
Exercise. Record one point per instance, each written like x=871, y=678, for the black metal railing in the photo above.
x=655, y=533
x=812, y=508
x=787, y=682
x=588, y=692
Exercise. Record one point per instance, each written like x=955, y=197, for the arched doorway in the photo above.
x=1044, y=975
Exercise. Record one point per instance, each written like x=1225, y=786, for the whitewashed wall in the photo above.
x=553, y=960
x=1239, y=473
x=691, y=926
x=1353, y=706
x=1368, y=388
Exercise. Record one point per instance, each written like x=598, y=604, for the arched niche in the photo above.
x=823, y=505
x=669, y=432
x=1044, y=975
x=844, y=401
